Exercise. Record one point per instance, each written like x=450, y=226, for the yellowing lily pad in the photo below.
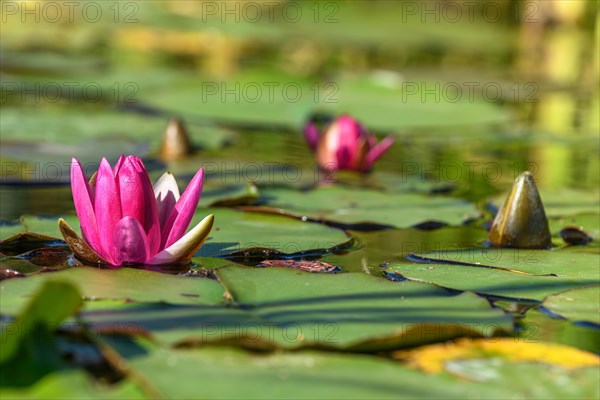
x=433, y=358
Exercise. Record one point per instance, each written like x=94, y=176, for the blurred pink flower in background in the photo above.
x=345, y=145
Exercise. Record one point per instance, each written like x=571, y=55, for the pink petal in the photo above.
x=150, y=220
x=182, y=214
x=92, y=185
x=341, y=144
x=311, y=134
x=129, y=242
x=84, y=207
x=118, y=165
x=344, y=157
x=131, y=191
x=166, y=193
x=377, y=151
x=107, y=206
x=349, y=130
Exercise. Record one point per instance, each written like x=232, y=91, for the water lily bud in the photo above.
x=521, y=221
x=176, y=141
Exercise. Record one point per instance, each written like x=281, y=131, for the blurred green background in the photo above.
x=475, y=91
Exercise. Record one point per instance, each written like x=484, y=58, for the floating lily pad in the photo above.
x=53, y=302
x=410, y=103
x=10, y=228
x=310, y=374
x=47, y=226
x=73, y=384
x=393, y=245
x=526, y=274
x=236, y=231
x=359, y=208
x=230, y=195
x=30, y=360
x=260, y=100
x=576, y=304
x=123, y=284
x=276, y=308
x=537, y=326
x=355, y=310
x=87, y=131
x=252, y=99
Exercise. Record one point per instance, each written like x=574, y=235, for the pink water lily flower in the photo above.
x=125, y=220
x=346, y=145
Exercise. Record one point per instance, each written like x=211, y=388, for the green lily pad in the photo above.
x=279, y=308
x=230, y=195
x=355, y=307
x=576, y=304
x=538, y=326
x=410, y=104
x=393, y=245
x=53, y=302
x=251, y=99
x=72, y=384
x=10, y=228
x=47, y=226
x=28, y=350
x=522, y=274
x=91, y=132
x=310, y=374
x=123, y=284
x=353, y=207
x=236, y=231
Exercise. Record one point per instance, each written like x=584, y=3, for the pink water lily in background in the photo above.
x=126, y=220
x=346, y=145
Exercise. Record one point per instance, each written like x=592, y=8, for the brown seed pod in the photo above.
x=176, y=141
x=521, y=221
